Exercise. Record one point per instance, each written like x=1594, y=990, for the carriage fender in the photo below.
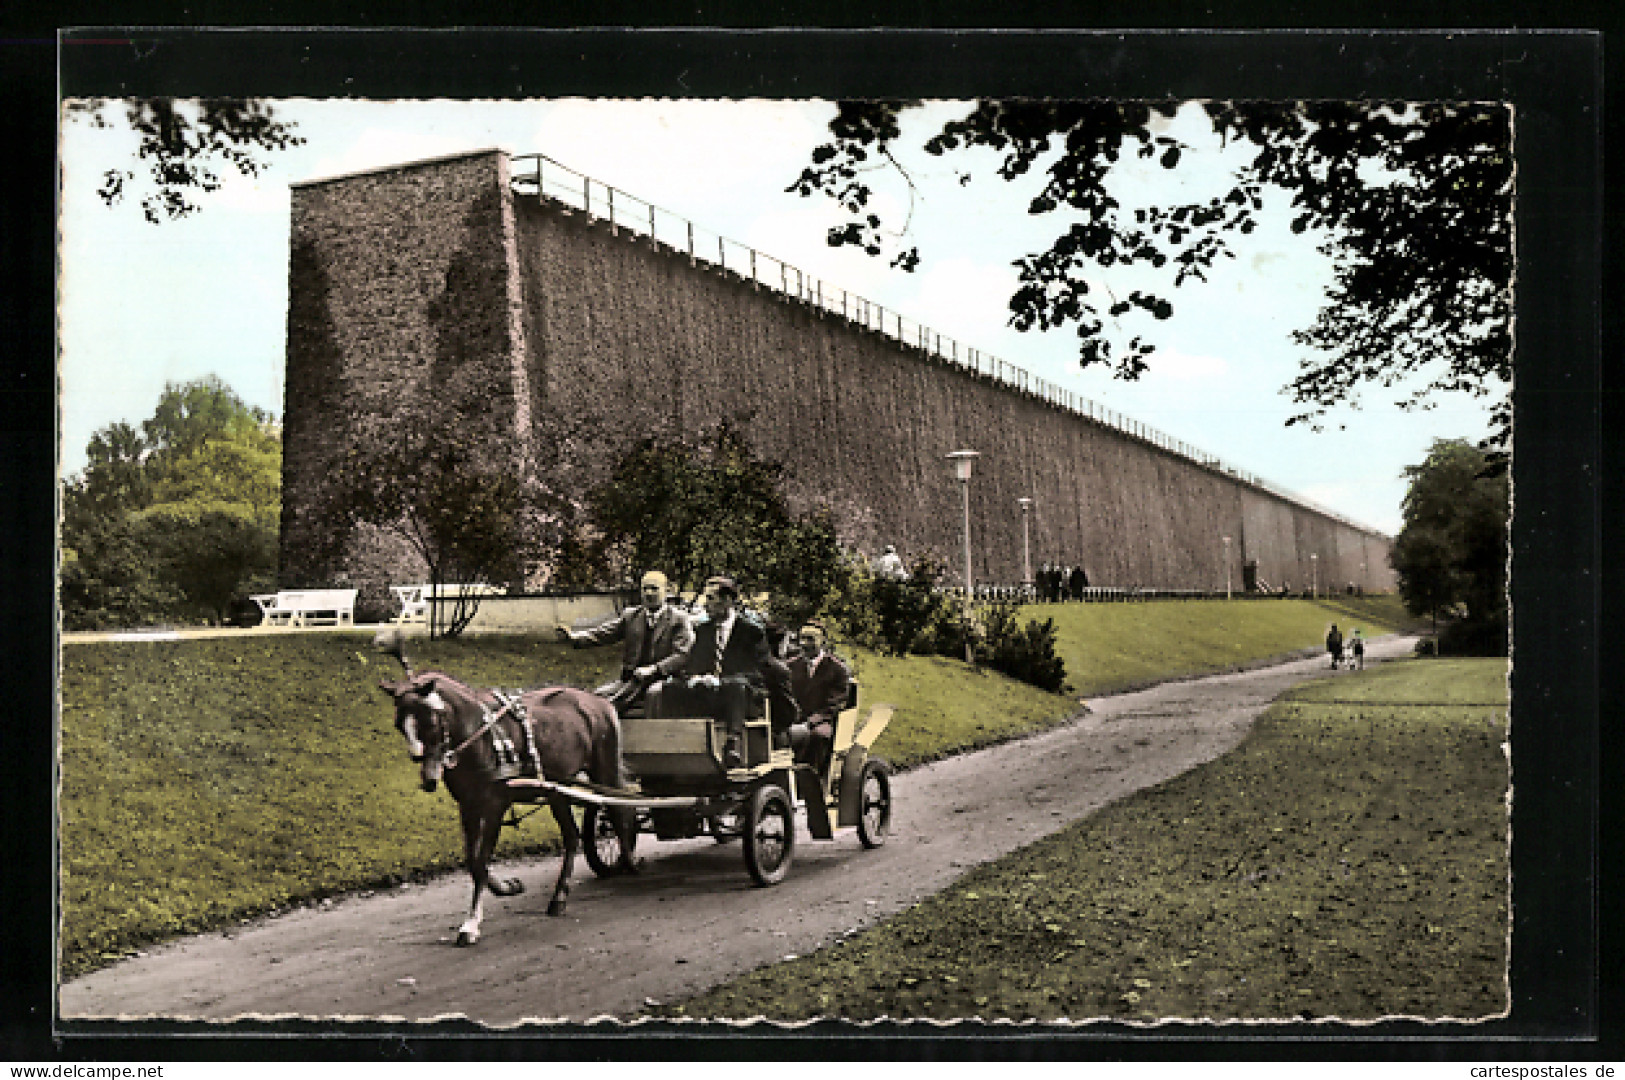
x=852, y=786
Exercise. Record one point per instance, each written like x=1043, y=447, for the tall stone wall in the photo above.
x=398, y=287
x=632, y=337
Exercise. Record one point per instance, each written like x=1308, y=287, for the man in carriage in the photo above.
x=728, y=674
x=819, y=681
x=656, y=637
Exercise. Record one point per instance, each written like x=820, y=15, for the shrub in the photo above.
x=1021, y=652
x=1473, y=637
x=894, y=616
x=909, y=615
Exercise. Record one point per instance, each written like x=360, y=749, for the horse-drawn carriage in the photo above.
x=683, y=789
x=568, y=748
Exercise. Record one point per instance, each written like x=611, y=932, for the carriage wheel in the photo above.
x=874, y=817
x=770, y=834
x=601, y=844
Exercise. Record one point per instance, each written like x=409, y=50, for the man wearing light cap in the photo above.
x=819, y=682
x=656, y=637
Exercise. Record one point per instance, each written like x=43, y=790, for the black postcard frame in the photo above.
x=1553, y=80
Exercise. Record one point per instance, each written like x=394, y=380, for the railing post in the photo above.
x=612, y=229
x=586, y=196
x=691, y=243
x=722, y=255
x=654, y=244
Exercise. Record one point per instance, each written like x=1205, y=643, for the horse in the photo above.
x=460, y=734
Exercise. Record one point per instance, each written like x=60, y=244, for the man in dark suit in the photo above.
x=728, y=673
x=656, y=639
x=819, y=682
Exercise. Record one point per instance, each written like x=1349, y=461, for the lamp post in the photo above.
x=1314, y=576
x=962, y=460
x=1227, y=568
x=1026, y=547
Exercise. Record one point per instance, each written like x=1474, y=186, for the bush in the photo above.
x=1427, y=647
x=890, y=615
x=909, y=615
x=1473, y=637
x=1026, y=653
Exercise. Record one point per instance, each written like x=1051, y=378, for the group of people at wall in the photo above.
x=1055, y=583
x=724, y=664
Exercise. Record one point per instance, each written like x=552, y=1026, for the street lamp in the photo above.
x=1227, y=568
x=962, y=463
x=1026, y=546
x=1314, y=576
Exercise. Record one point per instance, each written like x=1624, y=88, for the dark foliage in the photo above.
x=451, y=484
x=1451, y=554
x=176, y=522
x=1415, y=203
x=1022, y=652
x=899, y=616
x=693, y=506
x=184, y=143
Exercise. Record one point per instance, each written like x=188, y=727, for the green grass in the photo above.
x=1112, y=647
x=1348, y=860
x=205, y=781
x=209, y=780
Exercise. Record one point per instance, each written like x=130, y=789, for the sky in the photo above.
x=142, y=305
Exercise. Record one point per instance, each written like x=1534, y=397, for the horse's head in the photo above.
x=423, y=717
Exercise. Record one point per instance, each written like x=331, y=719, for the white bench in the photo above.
x=308, y=607
x=414, y=599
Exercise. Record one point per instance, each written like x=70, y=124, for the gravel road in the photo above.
x=692, y=918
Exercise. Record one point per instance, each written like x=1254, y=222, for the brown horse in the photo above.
x=463, y=736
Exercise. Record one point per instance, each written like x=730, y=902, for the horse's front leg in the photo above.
x=482, y=824
x=564, y=814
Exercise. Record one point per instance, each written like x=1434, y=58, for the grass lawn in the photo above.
x=1109, y=648
x=210, y=780
x=1348, y=860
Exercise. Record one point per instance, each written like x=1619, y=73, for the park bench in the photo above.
x=414, y=599
x=308, y=607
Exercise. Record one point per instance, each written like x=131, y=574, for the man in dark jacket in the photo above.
x=727, y=674
x=1334, y=645
x=656, y=638
x=819, y=682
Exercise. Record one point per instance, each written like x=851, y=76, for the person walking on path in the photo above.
x=1334, y=645
x=1357, y=648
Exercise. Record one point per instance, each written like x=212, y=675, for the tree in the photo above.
x=178, y=520
x=696, y=506
x=184, y=144
x=1451, y=554
x=455, y=490
x=1415, y=202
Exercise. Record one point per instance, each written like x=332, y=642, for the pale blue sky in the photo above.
x=142, y=304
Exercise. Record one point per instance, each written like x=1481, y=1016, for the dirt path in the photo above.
x=691, y=919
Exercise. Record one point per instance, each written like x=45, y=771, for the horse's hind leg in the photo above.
x=571, y=835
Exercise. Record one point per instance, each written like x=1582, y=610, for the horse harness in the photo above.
x=508, y=755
